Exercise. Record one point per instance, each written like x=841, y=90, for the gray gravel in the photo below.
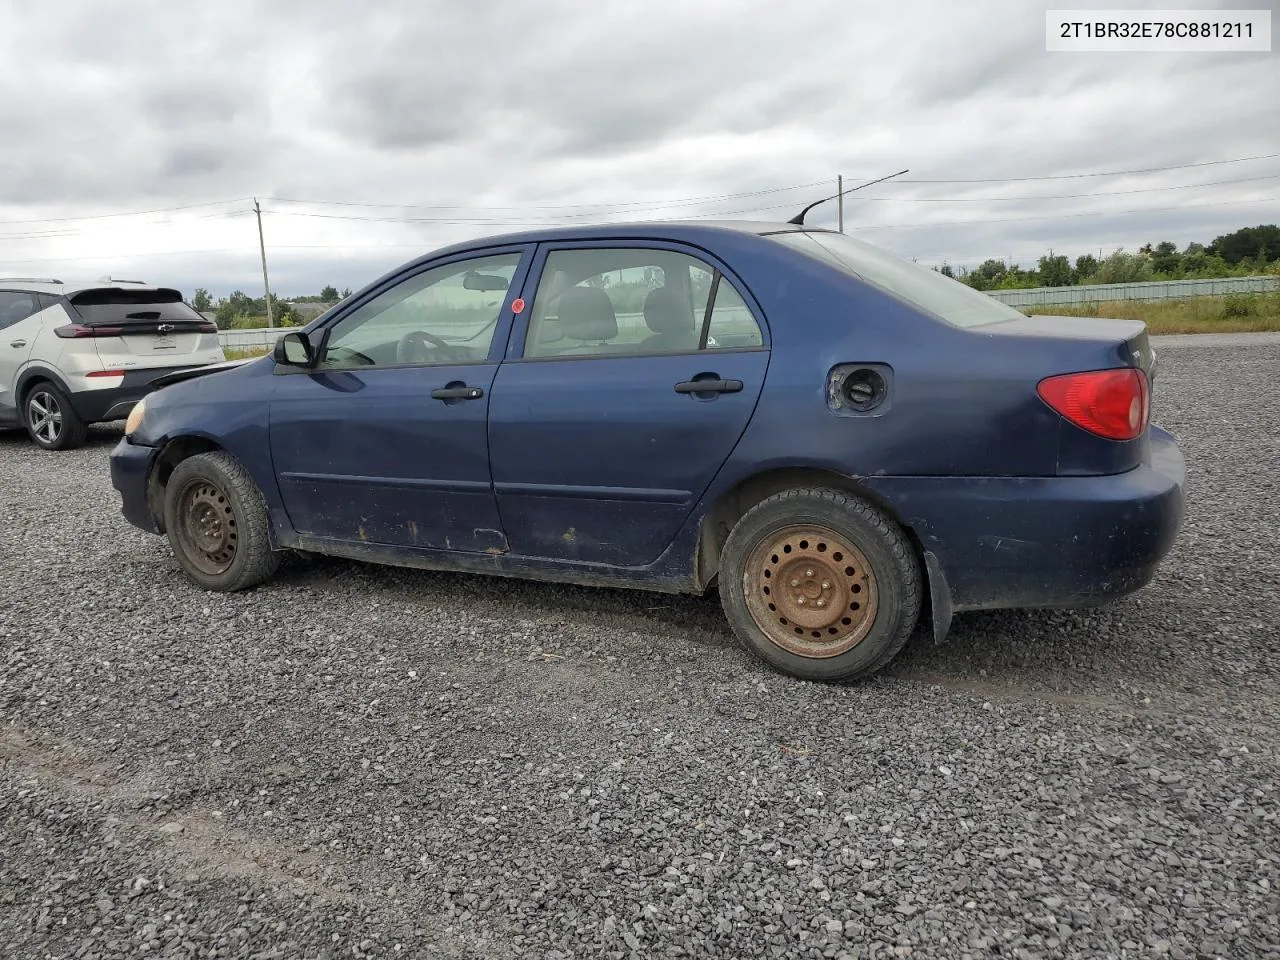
x=364, y=762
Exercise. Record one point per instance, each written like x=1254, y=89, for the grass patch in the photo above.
x=1236, y=313
x=246, y=353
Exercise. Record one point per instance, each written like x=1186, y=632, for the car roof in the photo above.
x=690, y=231
x=66, y=288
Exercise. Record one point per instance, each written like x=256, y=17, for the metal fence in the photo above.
x=1153, y=290
x=254, y=339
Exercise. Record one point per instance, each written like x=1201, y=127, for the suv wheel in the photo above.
x=51, y=420
x=820, y=584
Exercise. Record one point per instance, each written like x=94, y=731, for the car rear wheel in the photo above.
x=820, y=584
x=217, y=525
x=51, y=420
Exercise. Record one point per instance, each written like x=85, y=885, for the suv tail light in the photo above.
x=1110, y=403
x=73, y=331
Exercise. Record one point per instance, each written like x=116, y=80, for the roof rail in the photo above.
x=29, y=280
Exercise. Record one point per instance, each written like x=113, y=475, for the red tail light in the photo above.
x=105, y=373
x=74, y=331
x=1110, y=403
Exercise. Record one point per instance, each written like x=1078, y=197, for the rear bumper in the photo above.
x=115, y=402
x=1006, y=542
x=130, y=474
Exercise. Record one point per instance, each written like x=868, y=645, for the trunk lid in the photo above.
x=145, y=328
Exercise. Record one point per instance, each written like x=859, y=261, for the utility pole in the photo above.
x=840, y=194
x=262, y=248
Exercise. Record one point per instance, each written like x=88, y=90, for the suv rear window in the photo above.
x=111, y=305
x=949, y=300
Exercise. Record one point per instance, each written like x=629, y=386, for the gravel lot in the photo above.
x=363, y=762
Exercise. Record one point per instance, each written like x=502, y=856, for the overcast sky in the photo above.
x=476, y=118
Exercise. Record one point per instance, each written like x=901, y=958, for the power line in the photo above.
x=1070, y=196
x=683, y=201
x=417, y=246
x=130, y=213
x=1112, y=173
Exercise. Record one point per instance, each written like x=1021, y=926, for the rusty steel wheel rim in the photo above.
x=207, y=527
x=811, y=591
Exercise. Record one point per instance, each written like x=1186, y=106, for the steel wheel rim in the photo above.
x=44, y=414
x=811, y=591
x=207, y=528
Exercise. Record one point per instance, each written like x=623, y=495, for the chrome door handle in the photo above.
x=18, y=343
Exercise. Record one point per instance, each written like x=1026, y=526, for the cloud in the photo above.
x=480, y=118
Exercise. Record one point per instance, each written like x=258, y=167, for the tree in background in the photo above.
x=202, y=302
x=330, y=295
x=1250, y=243
x=1086, y=267
x=1123, y=267
x=1055, y=271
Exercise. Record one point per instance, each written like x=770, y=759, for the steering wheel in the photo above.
x=409, y=348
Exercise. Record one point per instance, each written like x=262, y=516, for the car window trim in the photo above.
x=519, y=331
x=326, y=322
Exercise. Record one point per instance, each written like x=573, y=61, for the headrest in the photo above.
x=665, y=311
x=586, y=313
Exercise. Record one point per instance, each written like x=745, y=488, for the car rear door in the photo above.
x=629, y=380
x=19, y=324
x=384, y=441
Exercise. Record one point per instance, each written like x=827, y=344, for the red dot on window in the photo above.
x=517, y=306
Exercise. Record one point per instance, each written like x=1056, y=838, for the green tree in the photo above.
x=202, y=301
x=346, y=293
x=1247, y=243
x=329, y=294
x=1086, y=267
x=1123, y=267
x=1165, y=259
x=1055, y=270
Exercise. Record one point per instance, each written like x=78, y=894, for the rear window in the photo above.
x=949, y=300
x=111, y=305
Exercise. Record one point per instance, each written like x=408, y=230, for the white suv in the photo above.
x=72, y=354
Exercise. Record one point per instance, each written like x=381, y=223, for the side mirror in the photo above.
x=294, y=350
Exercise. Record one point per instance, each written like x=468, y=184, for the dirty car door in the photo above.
x=601, y=440
x=385, y=440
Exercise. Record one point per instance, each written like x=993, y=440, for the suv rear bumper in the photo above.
x=1007, y=542
x=115, y=402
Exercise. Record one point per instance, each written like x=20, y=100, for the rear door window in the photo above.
x=610, y=301
x=17, y=305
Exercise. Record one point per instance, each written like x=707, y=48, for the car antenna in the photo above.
x=798, y=219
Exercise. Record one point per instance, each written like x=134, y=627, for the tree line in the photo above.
x=1250, y=251
x=242, y=310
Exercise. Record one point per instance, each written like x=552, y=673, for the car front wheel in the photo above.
x=217, y=525
x=820, y=584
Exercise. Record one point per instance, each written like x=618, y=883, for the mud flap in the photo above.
x=939, y=598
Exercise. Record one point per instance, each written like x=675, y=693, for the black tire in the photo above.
x=881, y=578
x=216, y=522
x=51, y=421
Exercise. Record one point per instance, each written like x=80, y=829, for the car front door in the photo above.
x=629, y=381
x=384, y=440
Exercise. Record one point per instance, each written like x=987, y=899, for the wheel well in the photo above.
x=734, y=503
x=31, y=384
x=172, y=454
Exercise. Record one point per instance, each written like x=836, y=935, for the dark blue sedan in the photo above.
x=844, y=442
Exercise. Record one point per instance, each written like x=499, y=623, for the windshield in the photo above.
x=947, y=299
